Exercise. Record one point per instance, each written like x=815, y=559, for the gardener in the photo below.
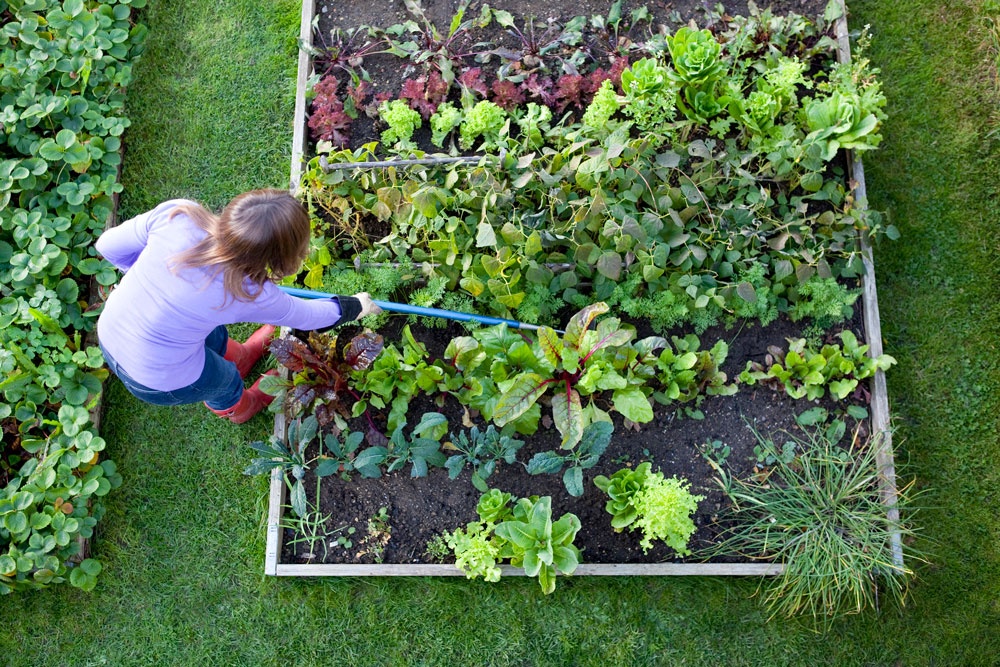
x=188, y=273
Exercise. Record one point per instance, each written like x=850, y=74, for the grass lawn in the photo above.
x=183, y=539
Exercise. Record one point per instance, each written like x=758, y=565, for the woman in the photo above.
x=187, y=274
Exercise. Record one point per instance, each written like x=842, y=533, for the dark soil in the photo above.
x=421, y=508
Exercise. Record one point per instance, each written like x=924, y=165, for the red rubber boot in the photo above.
x=251, y=402
x=245, y=355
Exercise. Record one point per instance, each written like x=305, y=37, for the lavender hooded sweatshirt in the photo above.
x=156, y=321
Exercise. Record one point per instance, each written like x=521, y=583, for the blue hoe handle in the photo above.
x=418, y=310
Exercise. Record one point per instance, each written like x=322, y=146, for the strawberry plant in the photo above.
x=63, y=70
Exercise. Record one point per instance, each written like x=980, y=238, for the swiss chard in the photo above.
x=577, y=363
x=321, y=371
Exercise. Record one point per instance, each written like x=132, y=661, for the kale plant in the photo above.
x=421, y=450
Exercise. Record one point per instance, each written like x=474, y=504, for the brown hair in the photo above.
x=260, y=235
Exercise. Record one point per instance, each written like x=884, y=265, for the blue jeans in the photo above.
x=219, y=387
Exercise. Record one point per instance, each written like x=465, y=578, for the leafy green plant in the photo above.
x=622, y=488
x=485, y=120
x=660, y=508
x=686, y=372
x=543, y=547
x=806, y=373
x=321, y=371
x=824, y=519
x=421, y=450
x=824, y=300
x=604, y=105
x=838, y=121
x=525, y=535
x=397, y=375
x=593, y=444
x=650, y=96
x=481, y=450
x=697, y=68
x=577, y=363
x=445, y=119
x=534, y=125
x=402, y=122
x=63, y=70
x=476, y=550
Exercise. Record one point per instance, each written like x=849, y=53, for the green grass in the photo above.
x=183, y=539
x=212, y=103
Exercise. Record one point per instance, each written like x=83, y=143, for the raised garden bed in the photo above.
x=692, y=440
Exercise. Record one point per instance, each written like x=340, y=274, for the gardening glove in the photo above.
x=368, y=306
x=352, y=308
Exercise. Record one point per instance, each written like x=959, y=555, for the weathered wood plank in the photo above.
x=879, y=408
x=299, y=115
x=586, y=569
x=276, y=495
